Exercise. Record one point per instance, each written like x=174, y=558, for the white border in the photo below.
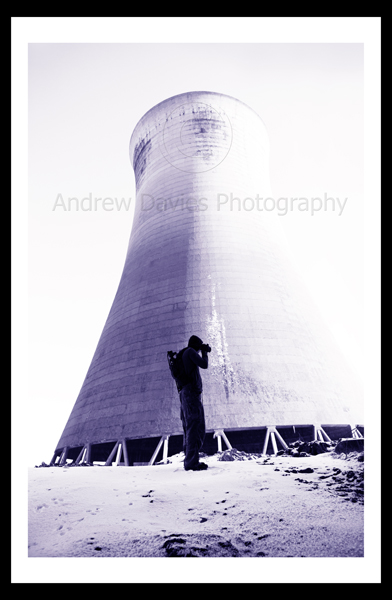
x=27, y=30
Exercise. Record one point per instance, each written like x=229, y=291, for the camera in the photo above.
x=206, y=347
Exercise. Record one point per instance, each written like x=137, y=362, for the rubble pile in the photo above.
x=234, y=454
x=300, y=448
x=297, y=448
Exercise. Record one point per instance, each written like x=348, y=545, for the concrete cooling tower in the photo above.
x=207, y=256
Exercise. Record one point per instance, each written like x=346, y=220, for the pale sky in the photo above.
x=84, y=100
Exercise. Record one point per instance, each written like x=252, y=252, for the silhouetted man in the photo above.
x=192, y=411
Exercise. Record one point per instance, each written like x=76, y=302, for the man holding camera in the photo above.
x=192, y=411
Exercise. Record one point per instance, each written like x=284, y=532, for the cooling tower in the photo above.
x=207, y=256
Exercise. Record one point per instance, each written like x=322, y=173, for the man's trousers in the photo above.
x=193, y=422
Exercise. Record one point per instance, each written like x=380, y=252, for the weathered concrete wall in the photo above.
x=198, y=264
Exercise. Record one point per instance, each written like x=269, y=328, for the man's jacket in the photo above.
x=192, y=361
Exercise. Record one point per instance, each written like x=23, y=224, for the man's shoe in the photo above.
x=200, y=467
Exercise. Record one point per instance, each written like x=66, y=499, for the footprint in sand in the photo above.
x=61, y=530
x=96, y=511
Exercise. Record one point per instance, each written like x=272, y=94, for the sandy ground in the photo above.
x=256, y=508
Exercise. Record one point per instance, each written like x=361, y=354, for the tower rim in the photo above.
x=186, y=94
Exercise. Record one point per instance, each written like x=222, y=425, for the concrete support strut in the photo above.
x=111, y=456
x=125, y=453
x=271, y=433
x=219, y=434
x=118, y=455
x=63, y=457
x=355, y=432
x=320, y=435
x=81, y=455
x=165, y=441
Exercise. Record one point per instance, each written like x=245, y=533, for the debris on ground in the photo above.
x=300, y=448
x=234, y=454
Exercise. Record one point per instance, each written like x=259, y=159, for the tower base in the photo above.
x=151, y=450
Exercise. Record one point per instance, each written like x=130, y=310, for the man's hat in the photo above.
x=195, y=342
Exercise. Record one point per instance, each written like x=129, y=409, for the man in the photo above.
x=192, y=411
